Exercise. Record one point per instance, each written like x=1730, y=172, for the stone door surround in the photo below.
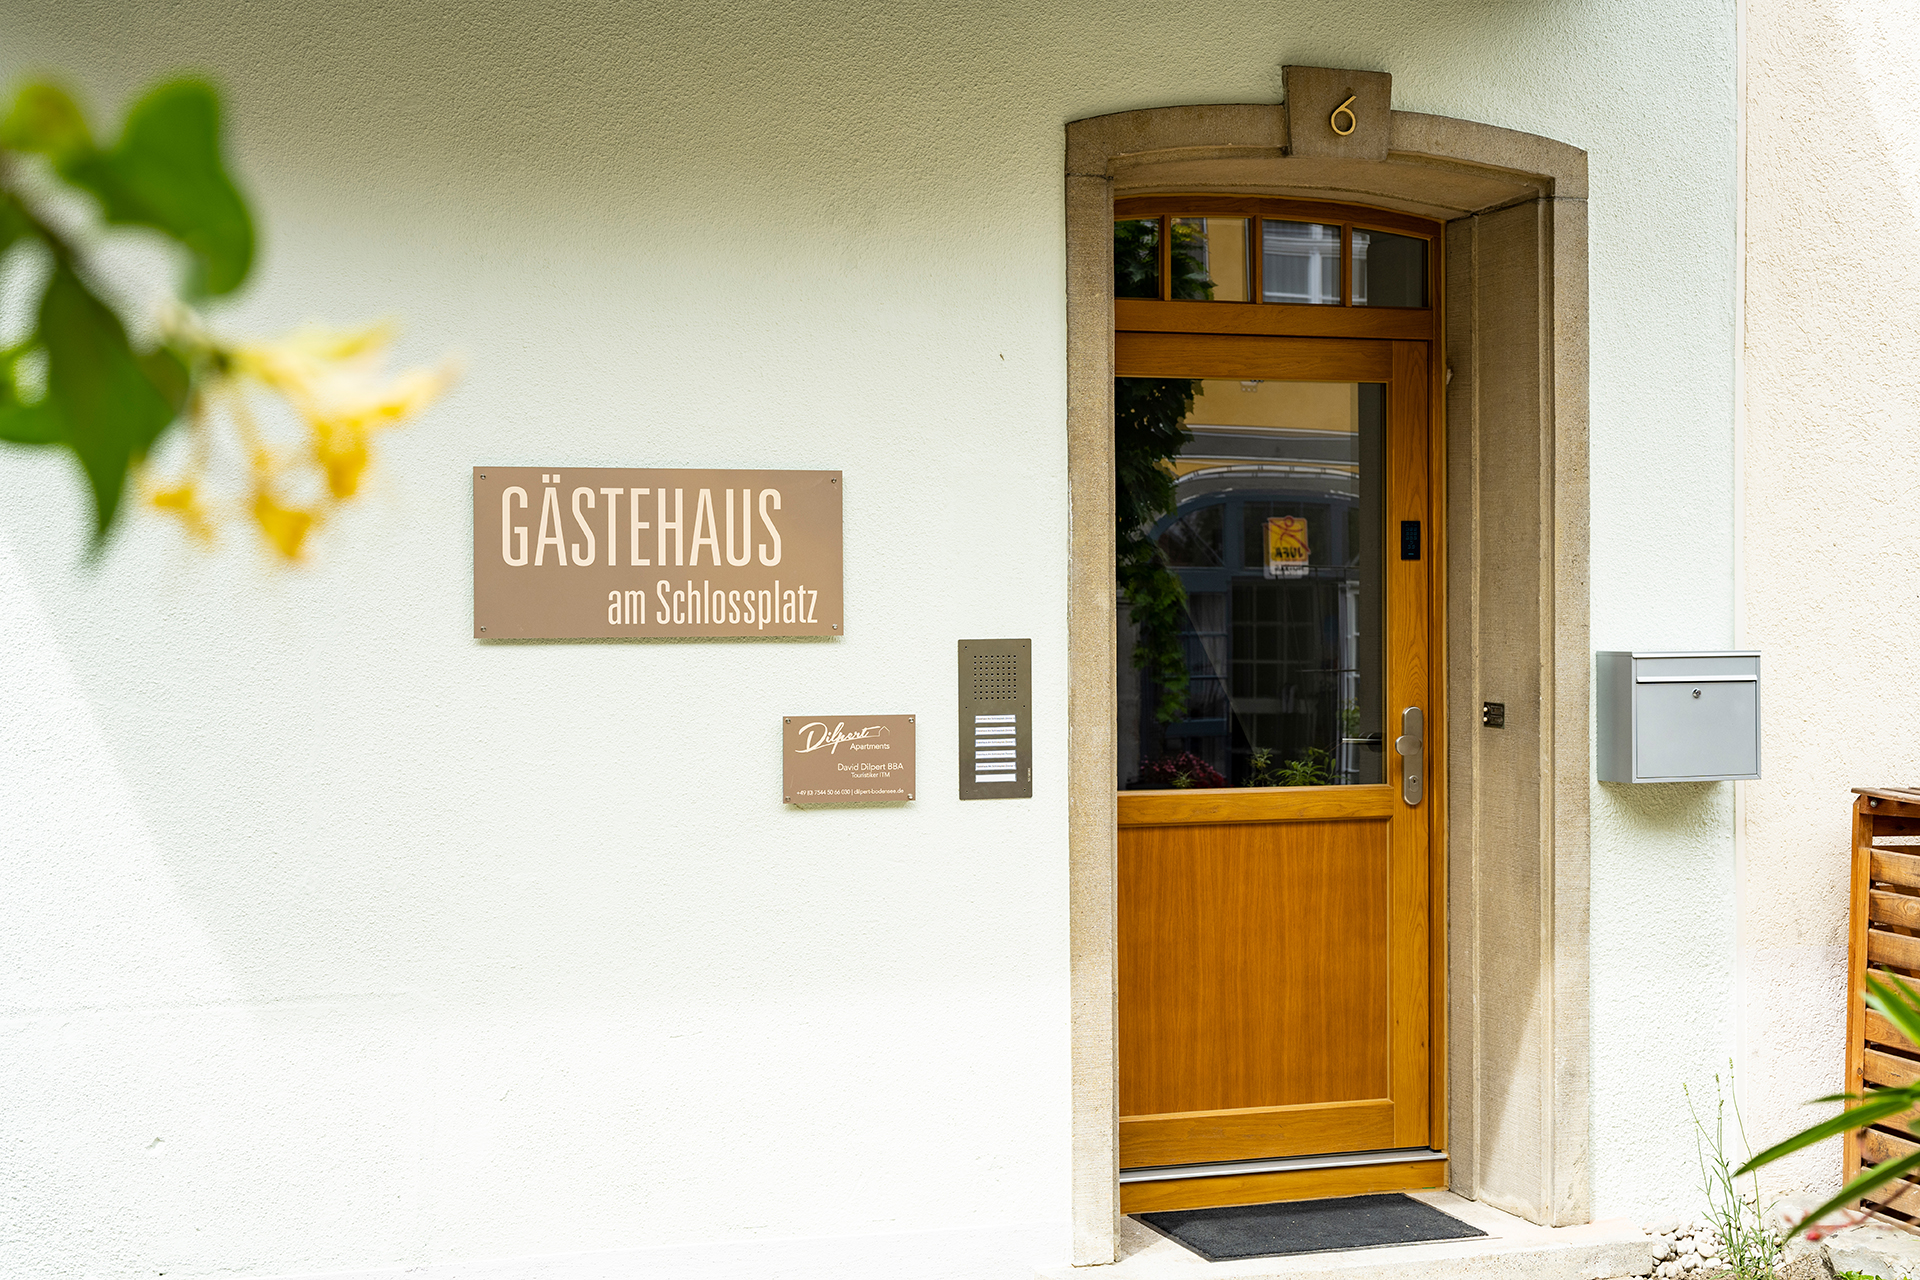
x=1514, y=804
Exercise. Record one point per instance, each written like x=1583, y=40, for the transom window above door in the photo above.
x=1270, y=258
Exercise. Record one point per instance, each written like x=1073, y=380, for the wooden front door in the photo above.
x=1276, y=860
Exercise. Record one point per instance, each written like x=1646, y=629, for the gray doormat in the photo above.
x=1307, y=1226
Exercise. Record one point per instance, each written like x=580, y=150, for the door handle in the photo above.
x=1412, y=746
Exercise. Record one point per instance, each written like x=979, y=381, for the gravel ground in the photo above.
x=1686, y=1249
x=1691, y=1249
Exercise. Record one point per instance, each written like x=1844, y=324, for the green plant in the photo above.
x=1748, y=1244
x=1312, y=768
x=1260, y=768
x=1136, y=260
x=76, y=380
x=1900, y=1006
x=1188, y=255
x=91, y=375
x=1149, y=430
x=1149, y=417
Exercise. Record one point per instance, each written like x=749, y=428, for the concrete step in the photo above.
x=1512, y=1249
x=1875, y=1251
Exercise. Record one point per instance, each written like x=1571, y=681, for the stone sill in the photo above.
x=1512, y=1249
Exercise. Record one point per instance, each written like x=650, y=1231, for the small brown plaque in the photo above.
x=847, y=759
x=569, y=553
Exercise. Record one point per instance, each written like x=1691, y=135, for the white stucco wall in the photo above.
x=335, y=940
x=1831, y=557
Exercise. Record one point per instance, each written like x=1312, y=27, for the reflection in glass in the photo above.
x=1389, y=270
x=1193, y=540
x=1136, y=258
x=1210, y=259
x=1267, y=617
x=1300, y=262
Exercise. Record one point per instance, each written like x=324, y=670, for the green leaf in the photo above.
x=29, y=423
x=109, y=409
x=1901, y=1008
x=44, y=119
x=1878, y=1176
x=14, y=222
x=1882, y=1103
x=169, y=375
x=166, y=173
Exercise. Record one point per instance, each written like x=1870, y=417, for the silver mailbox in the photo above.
x=1679, y=717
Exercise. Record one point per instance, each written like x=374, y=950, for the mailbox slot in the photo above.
x=1679, y=717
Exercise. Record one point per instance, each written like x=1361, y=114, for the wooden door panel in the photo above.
x=1276, y=945
x=1254, y=804
x=1294, y=1184
x=1182, y=355
x=1146, y=315
x=1250, y=1133
x=1253, y=965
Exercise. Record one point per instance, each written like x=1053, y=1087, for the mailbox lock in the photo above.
x=1696, y=693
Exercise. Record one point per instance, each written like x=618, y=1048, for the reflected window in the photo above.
x=1389, y=270
x=1193, y=539
x=1275, y=260
x=1252, y=615
x=1299, y=262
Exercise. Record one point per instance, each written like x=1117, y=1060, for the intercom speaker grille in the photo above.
x=996, y=677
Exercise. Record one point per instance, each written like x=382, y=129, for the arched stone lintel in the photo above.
x=1436, y=166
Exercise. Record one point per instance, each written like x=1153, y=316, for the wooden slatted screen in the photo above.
x=1884, y=934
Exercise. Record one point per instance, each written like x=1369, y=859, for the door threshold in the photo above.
x=1280, y=1164
x=1512, y=1249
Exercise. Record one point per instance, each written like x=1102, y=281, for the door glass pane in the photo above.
x=1250, y=577
x=1300, y=262
x=1136, y=258
x=1210, y=259
x=1389, y=270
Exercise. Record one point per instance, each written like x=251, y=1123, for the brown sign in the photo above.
x=847, y=759
x=583, y=552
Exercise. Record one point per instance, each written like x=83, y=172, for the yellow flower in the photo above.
x=343, y=456
x=297, y=364
x=342, y=423
x=286, y=527
x=183, y=501
x=334, y=381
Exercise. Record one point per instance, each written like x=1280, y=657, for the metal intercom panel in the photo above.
x=996, y=719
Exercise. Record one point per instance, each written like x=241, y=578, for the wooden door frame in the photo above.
x=1332, y=343
x=1514, y=209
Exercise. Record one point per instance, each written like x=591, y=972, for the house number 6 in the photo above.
x=1344, y=109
